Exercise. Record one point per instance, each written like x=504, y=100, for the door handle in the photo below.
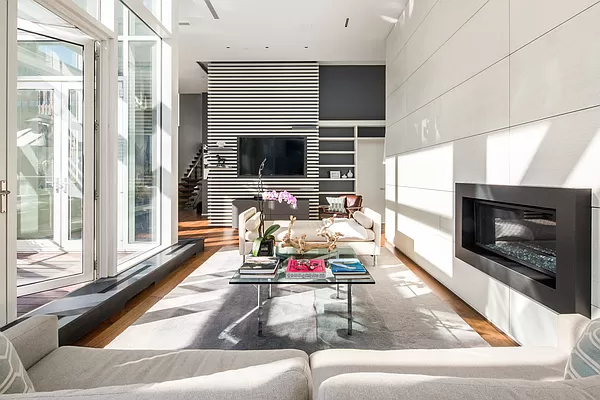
x=4, y=192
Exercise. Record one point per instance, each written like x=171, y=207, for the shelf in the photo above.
x=336, y=152
x=336, y=179
x=341, y=192
x=336, y=166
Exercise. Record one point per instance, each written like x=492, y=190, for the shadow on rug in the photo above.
x=206, y=312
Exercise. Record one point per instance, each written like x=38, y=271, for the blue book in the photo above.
x=341, y=266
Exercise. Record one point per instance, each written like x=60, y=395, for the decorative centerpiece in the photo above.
x=302, y=246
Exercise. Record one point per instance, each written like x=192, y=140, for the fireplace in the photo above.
x=537, y=240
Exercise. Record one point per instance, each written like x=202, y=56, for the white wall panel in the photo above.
x=482, y=159
x=558, y=73
x=444, y=20
x=530, y=19
x=485, y=294
x=394, y=138
x=396, y=106
x=532, y=324
x=478, y=105
x=431, y=168
x=480, y=43
x=412, y=16
x=423, y=127
x=396, y=73
x=562, y=151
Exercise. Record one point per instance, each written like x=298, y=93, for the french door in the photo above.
x=53, y=158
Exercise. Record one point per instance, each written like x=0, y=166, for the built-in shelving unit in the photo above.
x=338, y=151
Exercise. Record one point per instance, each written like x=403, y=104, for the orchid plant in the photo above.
x=281, y=197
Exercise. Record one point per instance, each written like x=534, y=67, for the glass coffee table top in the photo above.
x=284, y=254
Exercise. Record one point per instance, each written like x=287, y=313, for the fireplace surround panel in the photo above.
x=537, y=240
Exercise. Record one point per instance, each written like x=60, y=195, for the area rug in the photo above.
x=206, y=312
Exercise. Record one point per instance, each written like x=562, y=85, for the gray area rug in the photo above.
x=206, y=312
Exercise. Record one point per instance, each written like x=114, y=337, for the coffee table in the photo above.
x=280, y=278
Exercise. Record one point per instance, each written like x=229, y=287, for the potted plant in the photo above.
x=265, y=244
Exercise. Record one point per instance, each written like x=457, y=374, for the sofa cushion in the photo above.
x=280, y=380
x=352, y=230
x=13, y=376
x=377, y=386
x=337, y=204
x=584, y=360
x=253, y=222
x=85, y=368
x=533, y=363
x=251, y=236
x=362, y=219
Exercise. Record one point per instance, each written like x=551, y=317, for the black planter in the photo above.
x=266, y=248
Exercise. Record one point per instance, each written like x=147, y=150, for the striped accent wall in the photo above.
x=260, y=98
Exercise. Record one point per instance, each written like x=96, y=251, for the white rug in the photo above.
x=206, y=312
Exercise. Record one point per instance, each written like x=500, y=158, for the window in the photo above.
x=139, y=175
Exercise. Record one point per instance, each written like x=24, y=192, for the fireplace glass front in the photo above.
x=522, y=234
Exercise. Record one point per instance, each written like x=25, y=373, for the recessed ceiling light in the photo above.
x=306, y=47
x=266, y=47
x=228, y=47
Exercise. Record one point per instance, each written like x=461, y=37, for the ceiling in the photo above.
x=281, y=30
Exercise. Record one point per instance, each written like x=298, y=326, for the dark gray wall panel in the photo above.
x=336, y=132
x=371, y=131
x=337, y=145
x=352, y=92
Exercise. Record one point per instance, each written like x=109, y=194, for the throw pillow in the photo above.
x=337, y=204
x=253, y=222
x=13, y=376
x=584, y=360
x=362, y=219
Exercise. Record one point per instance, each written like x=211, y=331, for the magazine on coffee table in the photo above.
x=306, y=269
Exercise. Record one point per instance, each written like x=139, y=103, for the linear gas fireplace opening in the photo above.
x=522, y=234
x=536, y=240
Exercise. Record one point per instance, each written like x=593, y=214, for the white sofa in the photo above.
x=364, y=241
x=417, y=374
x=79, y=372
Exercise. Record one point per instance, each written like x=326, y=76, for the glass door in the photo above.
x=54, y=152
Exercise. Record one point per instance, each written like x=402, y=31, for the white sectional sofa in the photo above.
x=81, y=373
x=517, y=372
x=524, y=373
x=365, y=241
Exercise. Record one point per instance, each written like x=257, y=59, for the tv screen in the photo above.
x=286, y=156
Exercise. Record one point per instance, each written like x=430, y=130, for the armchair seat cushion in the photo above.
x=86, y=368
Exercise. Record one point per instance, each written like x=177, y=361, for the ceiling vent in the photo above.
x=184, y=23
x=211, y=8
x=347, y=22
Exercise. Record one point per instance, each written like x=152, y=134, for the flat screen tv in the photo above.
x=286, y=156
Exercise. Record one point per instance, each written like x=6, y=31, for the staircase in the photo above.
x=190, y=185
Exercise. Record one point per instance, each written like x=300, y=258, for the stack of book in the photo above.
x=306, y=269
x=259, y=267
x=348, y=268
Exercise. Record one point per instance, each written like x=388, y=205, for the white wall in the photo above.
x=498, y=92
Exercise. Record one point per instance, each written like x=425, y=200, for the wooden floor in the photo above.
x=217, y=237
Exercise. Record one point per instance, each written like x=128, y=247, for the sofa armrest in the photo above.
x=376, y=217
x=280, y=380
x=570, y=329
x=242, y=218
x=377, y=386
x=34, y=338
